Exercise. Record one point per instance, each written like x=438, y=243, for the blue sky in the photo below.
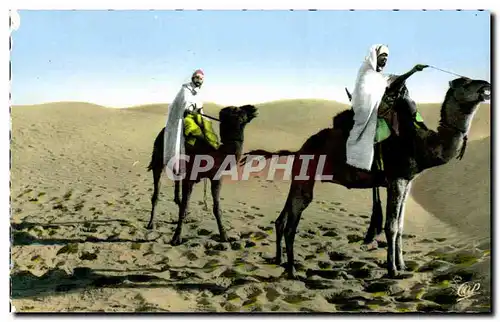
x=123, y=58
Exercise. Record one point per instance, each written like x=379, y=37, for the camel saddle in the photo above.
x=196, y=127
x=387, y=121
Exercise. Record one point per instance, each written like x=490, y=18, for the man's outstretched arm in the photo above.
x=402, y=78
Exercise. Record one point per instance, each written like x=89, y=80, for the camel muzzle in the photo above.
x=486, y=93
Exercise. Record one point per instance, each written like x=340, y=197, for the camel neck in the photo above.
x=231, y=139
x=452, y=130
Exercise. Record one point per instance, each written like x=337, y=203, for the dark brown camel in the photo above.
x=232, y=125
x=432, y=149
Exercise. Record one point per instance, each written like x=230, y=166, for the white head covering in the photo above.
x=375, y=51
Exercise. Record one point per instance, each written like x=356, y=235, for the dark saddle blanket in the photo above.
x=389, y=119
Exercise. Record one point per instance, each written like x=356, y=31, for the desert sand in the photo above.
x=80, y=197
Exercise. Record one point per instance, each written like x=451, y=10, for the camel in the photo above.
x=376, y=219
x=233, y=121
x=433, y=148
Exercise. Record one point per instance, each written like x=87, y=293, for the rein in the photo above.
x=210, y=117
x=203, y=115
x=447, y=72
x=207, y=116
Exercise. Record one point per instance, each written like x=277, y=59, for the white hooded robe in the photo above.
x=187, y=99
x=367, y=95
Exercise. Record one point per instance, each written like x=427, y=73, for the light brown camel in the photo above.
x=432, y=149
x=233, y=121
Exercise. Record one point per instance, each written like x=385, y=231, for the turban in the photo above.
x=198, y=71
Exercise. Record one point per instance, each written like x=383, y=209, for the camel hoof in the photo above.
x=277, y=261
x=150, y=226
x=176, y=241
x=290, y=276
x=370, y=246
x=369, y=238
x=223, y=238
x=402, y=268
x=392, y=273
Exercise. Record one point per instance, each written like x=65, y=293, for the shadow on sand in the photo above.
x=19, y=237
x=24, y=284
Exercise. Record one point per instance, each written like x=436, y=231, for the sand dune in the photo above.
x=81, y=199
x=459, y=192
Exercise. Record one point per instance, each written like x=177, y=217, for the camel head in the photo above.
x=461, y=102
x=238, y=115
x=233, y=121
x=468, y=93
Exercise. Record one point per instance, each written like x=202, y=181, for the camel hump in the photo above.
x=344, y=121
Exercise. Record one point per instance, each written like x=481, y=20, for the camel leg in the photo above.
x=400, y=264
x=216, y=186
x=376, y=219
x=177, y=195
x=156, y=190
x=177, y=198
x=302, y=195
x=187, y=189
x=280, y=227
x=395, y=195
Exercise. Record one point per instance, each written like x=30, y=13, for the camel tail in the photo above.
x=157, y=155
x=150, y=166
x=154, y=160
x=265, y=154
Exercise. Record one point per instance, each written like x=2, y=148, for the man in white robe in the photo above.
x=368, y=92
x=187, y=99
